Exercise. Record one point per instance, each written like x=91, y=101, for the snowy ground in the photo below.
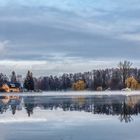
x=75, y=93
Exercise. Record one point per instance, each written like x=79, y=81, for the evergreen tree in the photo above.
x=13, y=77
x=115, y=83
x=29, y=81
x=3, y=79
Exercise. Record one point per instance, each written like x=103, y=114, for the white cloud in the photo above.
x=56, y=30
x=58, y=67
x=131, y=37
x=3, y=46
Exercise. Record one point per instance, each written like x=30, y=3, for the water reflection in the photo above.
x=122, y=106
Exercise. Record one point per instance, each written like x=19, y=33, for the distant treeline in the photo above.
x=108, y=79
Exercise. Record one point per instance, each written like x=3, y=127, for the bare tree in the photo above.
x=124, y=68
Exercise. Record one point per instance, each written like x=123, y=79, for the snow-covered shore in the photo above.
x=74, y=93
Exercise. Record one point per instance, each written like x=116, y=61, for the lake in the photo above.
x=69, y=117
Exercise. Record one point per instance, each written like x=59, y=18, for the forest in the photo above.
x=120, y=78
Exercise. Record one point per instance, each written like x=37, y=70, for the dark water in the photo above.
x=70, y=117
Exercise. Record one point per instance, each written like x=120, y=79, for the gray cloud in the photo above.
x=48, y=32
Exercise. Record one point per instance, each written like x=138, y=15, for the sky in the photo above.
x=56, y=36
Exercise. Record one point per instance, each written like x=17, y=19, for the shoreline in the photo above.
x=73, y=93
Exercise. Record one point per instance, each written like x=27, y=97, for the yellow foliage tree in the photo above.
x=79, y=85
x=132, y=83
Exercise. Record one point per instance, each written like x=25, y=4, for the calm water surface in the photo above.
x=70, y=117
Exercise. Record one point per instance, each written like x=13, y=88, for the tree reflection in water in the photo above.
x=126, y=113
x=29, y=105
x=121, y=106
